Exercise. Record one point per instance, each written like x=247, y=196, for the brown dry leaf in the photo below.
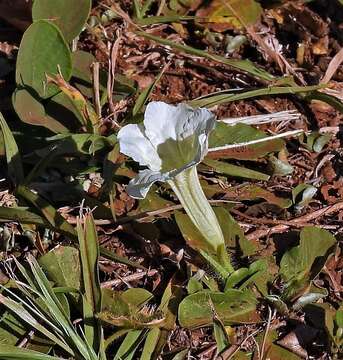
x=296, y=340
x=333, y=192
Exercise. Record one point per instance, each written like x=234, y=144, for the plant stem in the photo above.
x=187, y=188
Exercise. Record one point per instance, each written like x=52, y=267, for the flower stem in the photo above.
x=187, y=188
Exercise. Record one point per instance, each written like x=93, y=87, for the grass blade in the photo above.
x=20, y=311
x=243, y=65
x=129, y=345
x=23, y=216
x=221, y=98
x=145, y=94
x=164, y=19
x=8, y=352
x=234, y=170
x=89, y=251
x=150, y=344
x=57, y=312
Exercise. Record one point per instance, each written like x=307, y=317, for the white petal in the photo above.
x=179, y=133
x=163, y=121
x=135, y=144
x=140, y=185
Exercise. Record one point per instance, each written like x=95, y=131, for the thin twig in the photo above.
x=112, y=61
x=265, y=336
x=302, y=220
x=147, y=214
x=280, y=116
x=127, y=279
x=96, y=88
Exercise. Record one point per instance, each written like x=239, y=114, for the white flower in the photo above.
x=171, y=140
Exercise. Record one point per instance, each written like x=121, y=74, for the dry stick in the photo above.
x=333, y=66
x=112, y=61
x=263, y=346
x=288, y=115
x=96, y=88
x=148, y=214
x=300, y=221
x=129, y=278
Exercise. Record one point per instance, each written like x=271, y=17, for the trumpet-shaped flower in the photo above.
x=171, y=141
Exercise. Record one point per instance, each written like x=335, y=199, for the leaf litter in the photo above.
x=162, y=298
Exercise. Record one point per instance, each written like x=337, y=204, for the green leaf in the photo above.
x=150, y=344
x=232, y=307
x=69, y=15
x=279, y=167
x=80, y=106
x=42, y=51
x=31, y=111
x=129, y=346
x=194, y=285
x=333, y=101
x=170, y=301
x=8, y=352
x=231, y=231
x=61, y=108
x=23, y=216
x=257, y=273
x=127, y=309
x=82, y=72
x=302, y=263
x=89, y=253
x=234, y=170
x=220, y=334
x=224, y=134
x=62, y=266
x=15, y=167
x=254, y=192
x=237, y=14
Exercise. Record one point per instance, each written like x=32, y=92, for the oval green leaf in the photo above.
x=42, y=51
x=233, y=306
x=69, y=15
